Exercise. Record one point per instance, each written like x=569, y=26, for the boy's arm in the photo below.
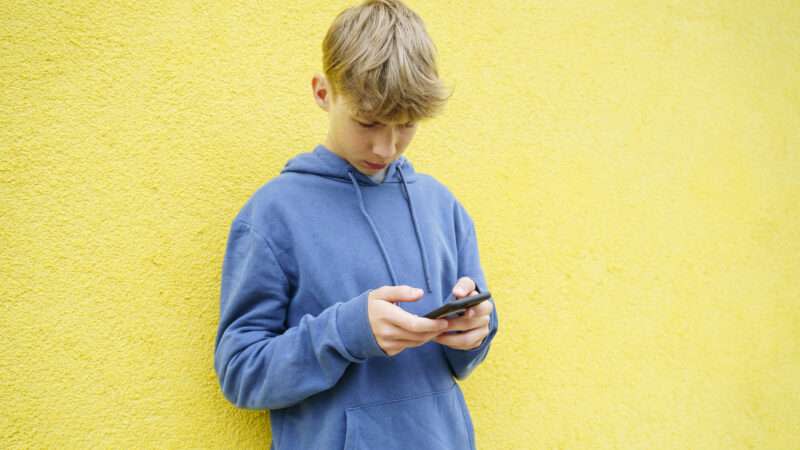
x=463, y=362
x=260, y=363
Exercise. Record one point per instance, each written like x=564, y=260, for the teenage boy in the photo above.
x=320, y=320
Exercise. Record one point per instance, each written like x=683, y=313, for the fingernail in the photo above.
x=459, y=291
x=417, y=291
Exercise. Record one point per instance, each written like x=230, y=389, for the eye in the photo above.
x=410, y=125
x=366, y=125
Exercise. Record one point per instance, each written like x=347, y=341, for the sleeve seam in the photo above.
x=269, y=247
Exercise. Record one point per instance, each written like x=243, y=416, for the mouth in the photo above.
x=374, y=166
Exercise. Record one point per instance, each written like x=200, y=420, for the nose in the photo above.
x=385, y=145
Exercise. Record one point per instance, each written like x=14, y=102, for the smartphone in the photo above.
x=457, y=306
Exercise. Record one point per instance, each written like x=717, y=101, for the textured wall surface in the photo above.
x=633, y=171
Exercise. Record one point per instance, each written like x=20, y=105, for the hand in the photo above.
x=474, y=322
x=394, y=328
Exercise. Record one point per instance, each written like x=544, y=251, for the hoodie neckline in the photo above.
x=342, y=166
x=325, y=163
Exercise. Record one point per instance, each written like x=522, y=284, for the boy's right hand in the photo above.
x=395, y=328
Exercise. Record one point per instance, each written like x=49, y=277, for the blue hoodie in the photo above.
x=294, y=336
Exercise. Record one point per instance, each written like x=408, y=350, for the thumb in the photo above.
x=401, y=293
x=464, y=286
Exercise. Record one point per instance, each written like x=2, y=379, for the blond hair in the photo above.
x=379, y=58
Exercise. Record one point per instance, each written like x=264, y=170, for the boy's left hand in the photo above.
x=474, y=322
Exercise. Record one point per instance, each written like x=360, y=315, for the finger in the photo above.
x=471, y=293
x=468, y=322
x=467, y=339
x=483, y=308
x=462, y=338
x=416, y=324
x=393, y=332
x=463, y=286
x=400, y=293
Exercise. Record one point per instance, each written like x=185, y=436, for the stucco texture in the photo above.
x=633, y=171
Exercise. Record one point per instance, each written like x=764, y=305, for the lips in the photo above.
x=374, y=166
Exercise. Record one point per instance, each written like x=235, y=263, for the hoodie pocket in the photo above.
x=435, y=421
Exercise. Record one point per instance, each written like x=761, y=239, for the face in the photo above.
x=361, y=140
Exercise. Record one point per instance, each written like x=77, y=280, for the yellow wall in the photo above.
x=633, y=171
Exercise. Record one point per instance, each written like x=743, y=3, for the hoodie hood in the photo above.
x=325, y=163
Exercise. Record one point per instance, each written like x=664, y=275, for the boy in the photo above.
x=319, y=320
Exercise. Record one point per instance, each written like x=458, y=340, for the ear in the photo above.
x=320, y=91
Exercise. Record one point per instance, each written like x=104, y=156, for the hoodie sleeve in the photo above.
x=262, y=364
x=463, y=362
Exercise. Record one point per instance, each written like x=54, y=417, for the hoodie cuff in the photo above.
x=352, y=321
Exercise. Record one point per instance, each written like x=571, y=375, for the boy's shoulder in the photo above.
x=263, y=201
x=434, y=187
x=431, y=184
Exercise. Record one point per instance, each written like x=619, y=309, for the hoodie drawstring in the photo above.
x=416, y=229
x=378, y=238
x=372, y=225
